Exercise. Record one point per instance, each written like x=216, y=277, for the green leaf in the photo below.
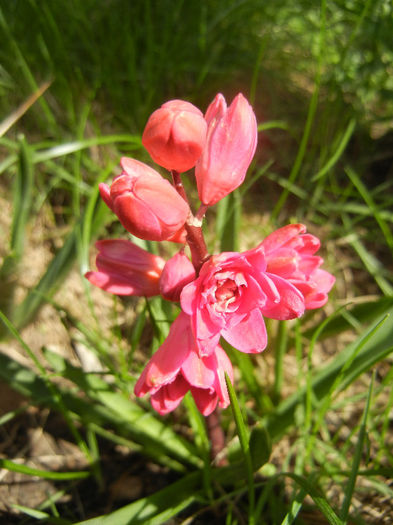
x=374, y=346
x=228, y=221
x=260, y=447
x=339, y=151
x=46, y=474
x=155, y=509
x=245, y=446
x=357, y=457
x=319, y=500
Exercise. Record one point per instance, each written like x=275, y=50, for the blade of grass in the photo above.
x=52, y=389
x=40, y=515
x=67, y=148
x=28, y=75
x=310, y=116
x=8, y=122
x=45, y=474
x=365, y=194
x=319, y=500
x=371, y=263
x=357, y=457
x=339, y=151
x=280, y=349
x=155, y=509
x=245, y=446
x=60, y=265
x=370, y=348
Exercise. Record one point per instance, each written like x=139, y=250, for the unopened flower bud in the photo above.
x=147, y=205
x=178, y=271
x=175, y=135
x=123, y=268
x=230, y=146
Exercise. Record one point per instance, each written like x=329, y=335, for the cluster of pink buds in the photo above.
x=226, y=295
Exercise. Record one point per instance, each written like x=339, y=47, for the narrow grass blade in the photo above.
x=228, y=221
x=155, y=509
x=41, y=515
x=296, y=506
x=375, y=345
x=245, y=446
x=58, y=268
x=45, y=474
x=310, y=116
x=365, y=194
x=145, y=426
x=339, y=151
x=8, y=122
x=22, y=200
x=61, y=150
x=105, y=409
x=365, y=312
x=357, y=457
x=319, y=500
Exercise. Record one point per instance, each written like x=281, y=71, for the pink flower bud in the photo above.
x=175, y=135
x=177, y=272
x=125, y=269
x=147, y=205
x=230, y=146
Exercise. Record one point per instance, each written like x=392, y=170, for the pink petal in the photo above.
x=188, y=297
x=291, y=302
x=223, y=365
x=205, y=400
x=249, y=335
x=281, y=236
x=169, y=396
x=165, y=364
x=121, y=251
x=197, y=372
x=122, y=285
x=105, y=193
x=323, y=280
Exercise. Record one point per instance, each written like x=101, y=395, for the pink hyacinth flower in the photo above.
x=147, y=205
x=176, y=368
x=289, y=253
x=178, y=271
x=230, y=146
x=125, y=269
x=232, y=294
x=175, y=135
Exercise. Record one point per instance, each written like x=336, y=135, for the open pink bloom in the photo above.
x=147, y=205
x=175, y=135
x=232, y=294
x=230, y=146
x=176, y=368
x=125, y=269
x=289, y=253
x=178, y=271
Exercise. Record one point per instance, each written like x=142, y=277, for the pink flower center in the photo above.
x=226, y=294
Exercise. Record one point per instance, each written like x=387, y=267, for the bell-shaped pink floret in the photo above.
x=178, y=271
x=123, y=268
x=230, y=146
x=176, y=368
x=175, y=135
x=147, y=205
x=290, y=254
x=231, y=297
